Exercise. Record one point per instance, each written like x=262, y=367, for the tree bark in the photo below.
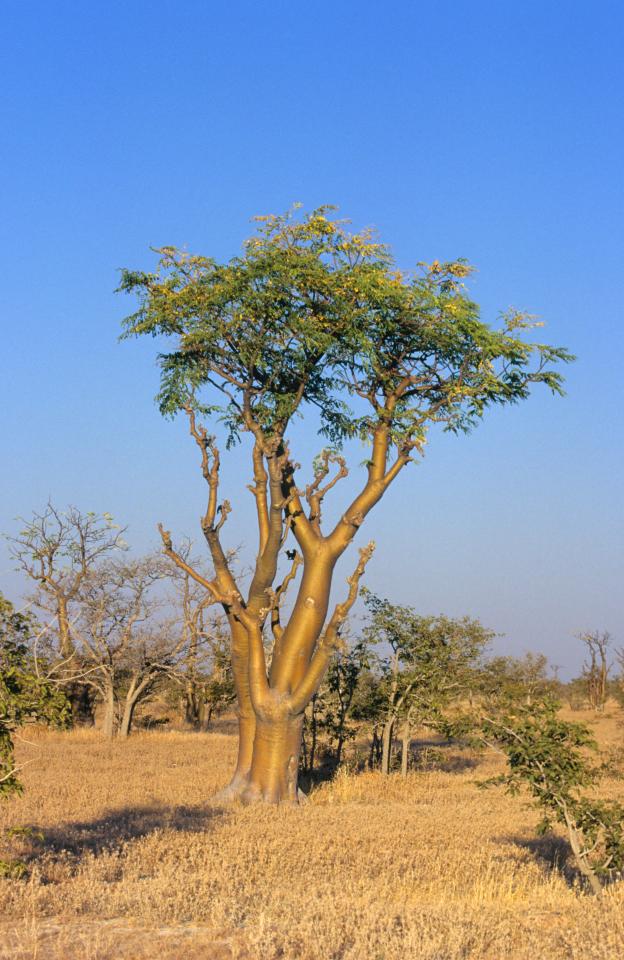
x=128, y=716
x=108, y=723
x=136, y=691
x=387, y=745
x=80, y=695
x=405, y=740
x=275, y=761
x=192, y=709
x=205, y=717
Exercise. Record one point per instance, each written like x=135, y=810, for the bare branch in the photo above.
x=315, y=492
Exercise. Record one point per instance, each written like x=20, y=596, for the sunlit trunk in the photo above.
x=387, y=745
x=108, y=723
x=275, y=761
x=127, y=718
x=405, y=740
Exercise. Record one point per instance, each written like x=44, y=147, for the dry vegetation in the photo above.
x=137, y=863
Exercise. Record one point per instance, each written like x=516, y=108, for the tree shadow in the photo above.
x=77, y=838
x=322, y=773
x=446, y=756
x=551, y=852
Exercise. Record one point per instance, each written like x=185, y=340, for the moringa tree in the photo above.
x=313, y=319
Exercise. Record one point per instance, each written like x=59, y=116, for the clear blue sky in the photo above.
x=488, y=130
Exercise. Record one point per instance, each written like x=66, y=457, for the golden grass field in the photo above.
x=137, y=863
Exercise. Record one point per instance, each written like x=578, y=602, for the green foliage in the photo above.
x=311, y=313
x=549, y=757
x=515, y=678
x=432, y=661
x=26, y=695
x=328, y=720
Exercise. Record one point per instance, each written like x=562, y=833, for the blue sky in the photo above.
x=488, y=130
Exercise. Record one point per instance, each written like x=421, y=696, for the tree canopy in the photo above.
x=311, y=313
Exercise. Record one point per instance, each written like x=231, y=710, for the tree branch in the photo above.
x=330, y=640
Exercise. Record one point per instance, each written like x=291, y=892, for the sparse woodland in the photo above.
x=271, y=754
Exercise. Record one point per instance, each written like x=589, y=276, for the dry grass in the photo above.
x=137, y=863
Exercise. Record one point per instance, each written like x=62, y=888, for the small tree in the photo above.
x=57, y=550
x=430, y=666
x=516, y=678
x=327, y=716
x=28, y=694
x=312, y=319
x=618, y=685
x=547, y=755
x=126, y=648
x=596, y=668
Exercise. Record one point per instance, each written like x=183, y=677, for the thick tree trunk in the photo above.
x=108, y=723
x=128, y=716
x=66, y=643
x=192, y=708
x=387, y=745
x=275, y=762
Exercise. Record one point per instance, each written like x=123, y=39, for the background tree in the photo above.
x=516, y=678
x=618, y=684
x=204, y=673
x=430, y=667
x=312, y=319
x=57, y=551
x=119, y=637
x=327, y=716
x=596, y=668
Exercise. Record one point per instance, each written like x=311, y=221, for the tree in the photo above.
x=430, y=665
x=29, y=693
x=326, y=719
x=57, y=551
x=314, y=320
x=547, y=755
x=596, y=668
x=127, y=650
x=516, y=678
x=618, y=686
x=204, y=672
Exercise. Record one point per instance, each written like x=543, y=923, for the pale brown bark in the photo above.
x=405, y=745
x=65, y=640
x=274, y=769
x=136, y=691
x=580, y=855
x=270, y=708
x=108, y=722
x=387, y=745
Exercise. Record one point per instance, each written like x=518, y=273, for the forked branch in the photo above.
x=316, y=491
x=182, y=564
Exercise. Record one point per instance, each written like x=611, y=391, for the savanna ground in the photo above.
x=135, y=862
